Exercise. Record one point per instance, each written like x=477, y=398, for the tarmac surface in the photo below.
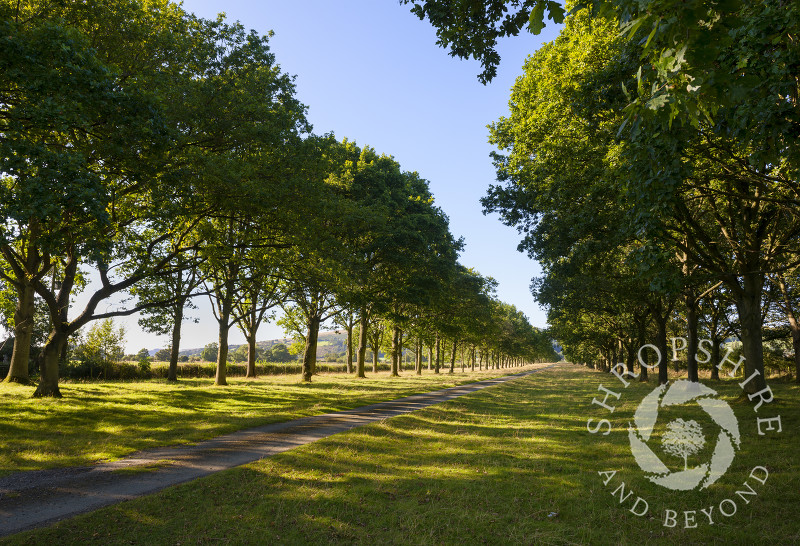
x=35, y=499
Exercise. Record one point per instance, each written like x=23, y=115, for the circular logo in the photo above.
x=683, y=438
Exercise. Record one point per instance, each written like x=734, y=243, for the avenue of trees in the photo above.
x=651, y=159
x=151, y=157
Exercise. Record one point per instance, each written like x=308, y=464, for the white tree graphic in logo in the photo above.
x=683, y=438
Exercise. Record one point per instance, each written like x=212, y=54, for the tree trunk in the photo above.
x=251, y=355
x=395, y=350
x=438, y=355
x=56, y=345
x=172, y=372
x=661, y=343
x=473, y=357
x=362, y=344
x=453, y=356
x=349, y=367
x=48, y=386
x=793, y=326
x=23, y=332
x=222, y=352
x=310, y=353
x=715, y=349
x=643, y=377
x=605, y=356
x=691, y=336
x=400, y=350
x=430, y=356
x=748, y=303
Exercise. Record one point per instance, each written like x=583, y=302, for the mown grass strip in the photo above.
x=513, y=464
x=101, y=421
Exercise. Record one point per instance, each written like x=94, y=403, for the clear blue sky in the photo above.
x=369, y=70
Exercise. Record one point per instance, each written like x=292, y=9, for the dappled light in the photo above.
x=481, y=465
x=105, y=420
x=162, y=183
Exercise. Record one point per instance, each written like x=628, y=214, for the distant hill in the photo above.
x=328, y=342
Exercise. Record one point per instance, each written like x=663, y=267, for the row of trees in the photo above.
x=165, y=157
x=651, y=160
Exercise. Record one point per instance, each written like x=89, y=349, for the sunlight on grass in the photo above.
x=98, y=421
x=509, y=465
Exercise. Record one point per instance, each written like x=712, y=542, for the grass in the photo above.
x=101, y=421
x=513, y=464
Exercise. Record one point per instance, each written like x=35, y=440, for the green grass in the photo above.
x=513, y=464
x=101, y=421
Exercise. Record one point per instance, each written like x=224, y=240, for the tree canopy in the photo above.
x=166, y=157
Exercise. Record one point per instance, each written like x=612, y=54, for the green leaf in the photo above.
x=556, y=12
x=631, y=27
x=652, y=35
x=536, y=19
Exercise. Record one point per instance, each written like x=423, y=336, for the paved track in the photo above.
x=35, y=499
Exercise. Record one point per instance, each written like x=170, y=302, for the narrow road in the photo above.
x=35, y=499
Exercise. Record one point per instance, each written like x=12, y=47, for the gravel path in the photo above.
x=35, y=499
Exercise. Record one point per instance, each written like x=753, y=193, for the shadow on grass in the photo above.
x=107, y=420
x=509, y=465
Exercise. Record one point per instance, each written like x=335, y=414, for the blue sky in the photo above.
x=369, y=70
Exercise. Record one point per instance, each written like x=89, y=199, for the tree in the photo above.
x=701, y=60
x=683, y=438
x=727, y=217
x=375, y=335
x=103, y=344
x=789, y=286
x=240, y=353
x=260, y=294
x=137, y=174
x=563, y=184
x=221, y=272
x=178, y=284
x=347, y=320
x=280, y=353
x=390, y=238
x=70, y=127
x=471, y=27
x=163, y=354
x=143, y=354
x=210, y=352
x=712, y=165
x=313, y=305
x=29, y=326
x=250, y=141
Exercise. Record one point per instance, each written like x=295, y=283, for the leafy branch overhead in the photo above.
x=470, y=28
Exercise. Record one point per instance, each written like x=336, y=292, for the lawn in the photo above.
x=514, y=464
x=101, y=421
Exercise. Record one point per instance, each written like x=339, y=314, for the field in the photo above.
x=514, y=464
x=104, y=420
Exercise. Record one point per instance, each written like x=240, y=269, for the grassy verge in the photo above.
x=514, y=464
x=100, y=420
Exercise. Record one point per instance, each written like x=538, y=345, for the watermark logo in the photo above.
x=684, y=438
